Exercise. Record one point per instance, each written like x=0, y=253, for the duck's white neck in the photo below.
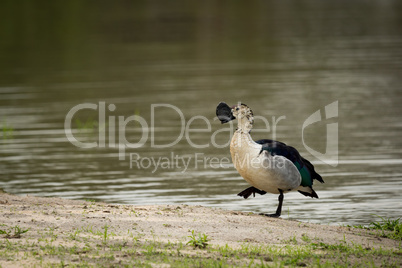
x=245, y=124
x=242, y=144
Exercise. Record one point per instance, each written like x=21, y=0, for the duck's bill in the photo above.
x=224, y=113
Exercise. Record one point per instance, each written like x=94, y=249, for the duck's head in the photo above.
x=239, y=111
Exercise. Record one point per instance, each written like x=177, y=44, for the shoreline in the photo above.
x=83, y=233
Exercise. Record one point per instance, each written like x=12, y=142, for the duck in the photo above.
x=269, y=166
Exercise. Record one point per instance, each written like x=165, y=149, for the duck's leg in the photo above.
x=250, y=190
x=279, y=209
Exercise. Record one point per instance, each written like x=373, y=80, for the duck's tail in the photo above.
x=307, y=191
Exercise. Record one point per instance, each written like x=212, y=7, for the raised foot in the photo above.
x=275, y=215
x=250, y=191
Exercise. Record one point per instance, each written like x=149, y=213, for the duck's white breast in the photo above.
x=263, y=171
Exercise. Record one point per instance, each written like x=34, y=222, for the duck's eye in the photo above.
x=237, y=108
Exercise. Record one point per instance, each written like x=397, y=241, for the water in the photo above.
x=285, y=60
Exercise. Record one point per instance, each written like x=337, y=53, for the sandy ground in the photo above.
x=57, y=221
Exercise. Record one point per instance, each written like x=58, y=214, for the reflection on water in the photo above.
x=282, y=59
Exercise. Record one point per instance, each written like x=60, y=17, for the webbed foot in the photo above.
x=250, y=191
x=271, y=215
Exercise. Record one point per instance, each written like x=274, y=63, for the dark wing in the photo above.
x=305, y=168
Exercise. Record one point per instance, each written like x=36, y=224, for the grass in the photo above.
x=200, y=241
x=97, y=244
x=13, y=232
x=388, y=228
x=105, y=235
x=93, y=249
